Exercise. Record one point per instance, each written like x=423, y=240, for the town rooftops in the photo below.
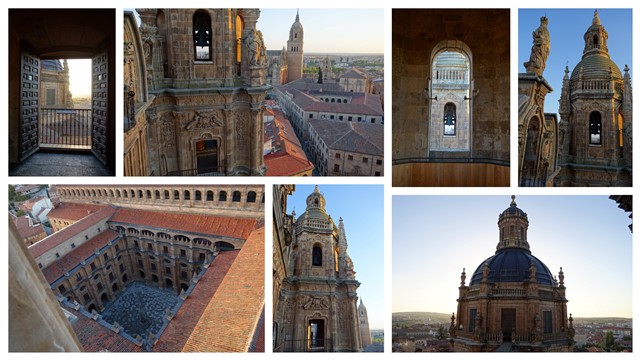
x=288, y=157
x=354, y=137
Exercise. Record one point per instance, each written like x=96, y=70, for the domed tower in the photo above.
x=513, y=301
x=295, y=53
x=318, y=309
x=595, y=107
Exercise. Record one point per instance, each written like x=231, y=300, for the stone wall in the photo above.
x=415, y=35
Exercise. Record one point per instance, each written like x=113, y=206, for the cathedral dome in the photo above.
x=315, y=207
x=513, y=265
x=596, y=67
x=296, y=31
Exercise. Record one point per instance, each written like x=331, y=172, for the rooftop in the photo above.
x=288, y=157
x=355, y=137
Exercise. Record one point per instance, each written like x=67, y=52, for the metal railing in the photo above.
x=212, y=171
x=316, y=345
x=65, y=128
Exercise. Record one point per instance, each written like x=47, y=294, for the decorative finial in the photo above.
x=513, y=200
x=596, y=18
x=316, y=189
x=561, y=277
x=463, y=277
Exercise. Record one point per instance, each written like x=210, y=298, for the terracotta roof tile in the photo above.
x=95, y=337
x=25, y=229
x=207, y=224
x=73, y=211
x=61, y=236
x=233, y=313
x=289, y=158
x=56, y=269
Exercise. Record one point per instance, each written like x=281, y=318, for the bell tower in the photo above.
x=295, y=53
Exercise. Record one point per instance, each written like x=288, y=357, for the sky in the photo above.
x=566, y=29
x=435, y=237
x=79, y=77
x=362, y=210
x=326, y=30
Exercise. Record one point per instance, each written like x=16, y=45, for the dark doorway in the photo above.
x=207, y=156
x=168, y=283
x=315, y=335
x=508, y=324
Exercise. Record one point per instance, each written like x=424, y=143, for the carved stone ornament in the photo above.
x=204, y=120
x=316, y=303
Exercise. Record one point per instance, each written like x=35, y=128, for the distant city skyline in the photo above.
x=353, y=31
x=566, y=30
x=361, y=208
x=435, y=237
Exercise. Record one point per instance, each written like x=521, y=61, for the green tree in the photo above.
x=608, y=340
x=20, y=213
x=442, y=333
x=12, y=192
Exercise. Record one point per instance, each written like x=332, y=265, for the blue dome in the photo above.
x=512, y=265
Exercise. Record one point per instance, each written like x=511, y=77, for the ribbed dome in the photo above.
x=596, y=67
x=513, y=210
x=315, y=207
x=512, y=265
x=296, y=28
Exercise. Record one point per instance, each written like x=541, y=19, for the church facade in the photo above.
x=315, y=301
x=194, y=99
x=589, y=143
x=513, y=302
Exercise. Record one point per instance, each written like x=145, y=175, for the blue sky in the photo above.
x=362, y=210
x=326, y=30
x=435, y=237
x=567, y=28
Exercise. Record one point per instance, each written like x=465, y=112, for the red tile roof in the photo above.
x=28, y=204
x=356, y=137
x=181, y=326
x=206, y=224
x=232, y=314
x=61, y=236
x=95, y=337
x=289, y=158
x=25, y=229
x=73, y=211
x=82, y=252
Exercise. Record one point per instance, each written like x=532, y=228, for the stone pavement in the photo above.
x=140, y=309
x=56, y=164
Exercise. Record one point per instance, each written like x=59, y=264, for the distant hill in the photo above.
x=420, y=317
x=601, y=320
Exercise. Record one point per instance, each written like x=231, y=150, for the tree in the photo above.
x=442, y=334
x=319, y=75
x=608, y=340
x=20, y=213
x=12, y=192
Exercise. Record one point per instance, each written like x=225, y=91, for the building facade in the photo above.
x=295, y=51
x=194, y=99
x=167, y=246
x=315, y=301
x=595, y=135
x=513, y=302
x=347, y=148
x=363, y=319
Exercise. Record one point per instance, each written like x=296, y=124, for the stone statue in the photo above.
x=452, y=327
x=463, y=277
x=252, y=47
x=540, y=49
x=485, y=271
x=532, y=271
x=262, y=49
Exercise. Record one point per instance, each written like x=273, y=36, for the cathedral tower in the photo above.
x=317, y=308
x=365, y=331
x=595, y=110
x=295, y=53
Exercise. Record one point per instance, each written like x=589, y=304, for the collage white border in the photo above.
x=269, y=181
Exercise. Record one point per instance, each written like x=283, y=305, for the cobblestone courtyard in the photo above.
x=140, y=309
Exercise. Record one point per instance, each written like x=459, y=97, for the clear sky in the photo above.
x=566, y=29
x=435, y=237
x=362, y=210
x=326, y=30
x=79, y=77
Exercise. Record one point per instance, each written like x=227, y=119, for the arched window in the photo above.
x=209, y=195
x=236, y=196
x=595, y=128
x=223, y=196
x=316, y=256
x=202, y=36
x=251, y=197
x=450, y=119
x=450, y=97
x=595, y=41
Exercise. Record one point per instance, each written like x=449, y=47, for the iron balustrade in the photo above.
x=65, y=128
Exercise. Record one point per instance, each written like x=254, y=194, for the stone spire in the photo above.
x=595, y=39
